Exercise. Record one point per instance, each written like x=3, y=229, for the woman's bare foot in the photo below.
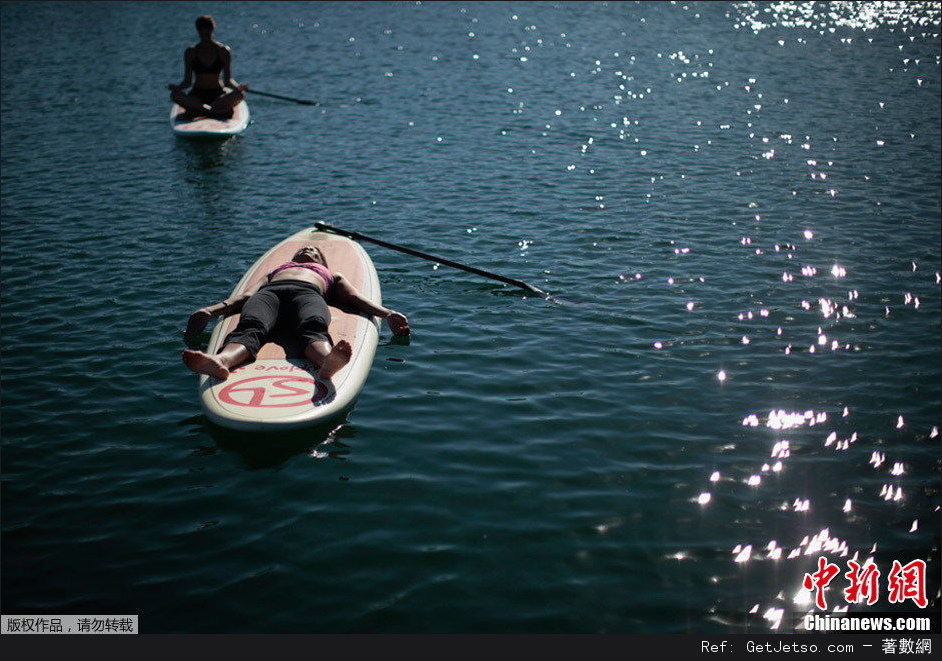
x=338, y=357
x=202, y=363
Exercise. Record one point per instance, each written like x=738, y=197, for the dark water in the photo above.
x=745, y=199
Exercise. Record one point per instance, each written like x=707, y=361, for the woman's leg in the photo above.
x=218, y=365
x=189, y=103
x=328, y=358
x=225, y=103
x=256, y=320
x=313, y=322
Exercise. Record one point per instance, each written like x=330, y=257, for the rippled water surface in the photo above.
x=743, y=199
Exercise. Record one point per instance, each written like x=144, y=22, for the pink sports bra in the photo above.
x=319, y=269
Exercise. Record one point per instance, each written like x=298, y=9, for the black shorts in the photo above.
x=294, y=302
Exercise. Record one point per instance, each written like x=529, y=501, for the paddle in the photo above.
x=409, y=251
x=284, y=98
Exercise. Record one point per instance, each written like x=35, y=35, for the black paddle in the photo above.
x=409, y=251
x=284, y=98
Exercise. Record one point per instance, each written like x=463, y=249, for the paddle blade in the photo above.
x=562, y=300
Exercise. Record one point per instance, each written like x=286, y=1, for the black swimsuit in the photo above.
x=207, y=94
x=213, y=67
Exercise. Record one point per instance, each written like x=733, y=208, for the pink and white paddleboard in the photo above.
x=206, y=128
x=280, y=389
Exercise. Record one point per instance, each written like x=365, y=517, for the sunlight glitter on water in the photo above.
x=826, y=339
x=781, y=419
x=631, y=147
x=826, y=17
x=821, y=543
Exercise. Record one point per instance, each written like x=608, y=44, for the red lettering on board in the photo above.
x=282, y=368
x=273, y=391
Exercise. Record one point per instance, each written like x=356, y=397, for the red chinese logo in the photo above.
x=908, y=582
x=863, y=583
x=819, y=580
x=904, y=582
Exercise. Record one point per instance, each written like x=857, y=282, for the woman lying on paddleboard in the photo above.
x=205, y=61
x=303, y=285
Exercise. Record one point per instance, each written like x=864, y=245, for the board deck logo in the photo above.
x=273, y=391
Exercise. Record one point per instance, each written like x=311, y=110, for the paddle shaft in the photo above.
x=284, y=98
x=431, y=258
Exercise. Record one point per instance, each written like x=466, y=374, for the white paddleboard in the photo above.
x=208, y=128
x=280, y=389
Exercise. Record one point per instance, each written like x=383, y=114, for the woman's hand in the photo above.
x=398, y=323
x=197, y=322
